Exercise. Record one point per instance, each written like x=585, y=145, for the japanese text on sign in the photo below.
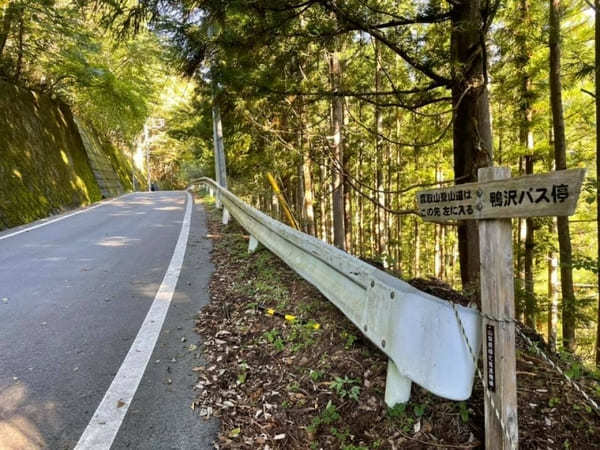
x=491, y=362
x=558, y=194
x=550, y=194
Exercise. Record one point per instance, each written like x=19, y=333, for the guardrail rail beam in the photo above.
x=417, y=331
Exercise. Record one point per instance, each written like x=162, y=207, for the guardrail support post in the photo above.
x=225, y=216
x=397, y=386
x=252, y=244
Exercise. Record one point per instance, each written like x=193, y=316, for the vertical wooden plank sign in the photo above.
x=497, y=300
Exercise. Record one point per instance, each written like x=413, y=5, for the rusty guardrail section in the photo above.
x=418, y=332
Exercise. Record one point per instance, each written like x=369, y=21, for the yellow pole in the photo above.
x=282, y=202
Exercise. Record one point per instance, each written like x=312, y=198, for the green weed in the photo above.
x=346, y=387
x=328, y=416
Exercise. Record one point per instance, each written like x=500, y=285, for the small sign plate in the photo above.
x=549, y=194
x=490, y=343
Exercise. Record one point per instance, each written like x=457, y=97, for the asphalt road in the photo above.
x=73, y=296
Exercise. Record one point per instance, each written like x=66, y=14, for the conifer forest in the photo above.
x=352, y=107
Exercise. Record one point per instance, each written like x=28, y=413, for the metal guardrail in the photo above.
x=417, y=331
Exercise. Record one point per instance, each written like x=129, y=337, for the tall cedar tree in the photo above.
x=560, y=157
x=597, y=100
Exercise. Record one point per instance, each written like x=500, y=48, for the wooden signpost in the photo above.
x=494, y=200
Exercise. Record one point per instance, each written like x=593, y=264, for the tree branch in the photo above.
x=377, y=34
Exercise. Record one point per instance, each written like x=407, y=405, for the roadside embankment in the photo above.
x=47, y=165
x=312, y=380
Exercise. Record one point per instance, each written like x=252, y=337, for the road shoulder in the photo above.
x=161, y=414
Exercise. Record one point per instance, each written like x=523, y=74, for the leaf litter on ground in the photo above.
x=284, y=385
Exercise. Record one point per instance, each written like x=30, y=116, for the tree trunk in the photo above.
x=437, y=256
x=520, y=277
x=347, y=208
x=20, y=42
x=397, y=197
x=526, y=141
x=309, y=210
x=323, y=201
x=416, y=267
x=299, y=193
x=453, y=261
x=443, y=256
x=597, y=74
x=337, y=125
x=379, y=161
x=560, y=157
x=361, y=212
x=552, y=293
x=7, y=18
x=530, y=300
x=472, y=134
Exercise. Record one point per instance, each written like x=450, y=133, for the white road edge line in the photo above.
x=106, y=421
x=66, y=216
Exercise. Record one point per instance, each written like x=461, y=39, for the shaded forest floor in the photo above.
x=281, y=384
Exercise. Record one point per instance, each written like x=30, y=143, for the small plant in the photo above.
x=354, y=393
x=419, y=409
x=341, y=436
x=399, y=414
x=271, y=335
x=575, y=371
x=553, y=402
x=316, y=375
x=463, y=412
x=301, y=336
x=241, y=378
x=279, y=344
x=350, y=339
x=398, y=410
x=344, y=387
x=328, y=416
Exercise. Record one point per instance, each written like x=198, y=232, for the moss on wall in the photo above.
x=44, y=168
x=122, y=166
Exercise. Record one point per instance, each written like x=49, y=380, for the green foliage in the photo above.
x=463, y=412
x=64, y=51
x=41, y=173
x=398, y=410
x=328, y=416
x=302, y=336
x=279, y=344
x=316, y=375
x=268, y=69
x=270, y=336
x=346, y=387
x=243, y=374
x=419, y=409
x=349, y=339
x=575, y=371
